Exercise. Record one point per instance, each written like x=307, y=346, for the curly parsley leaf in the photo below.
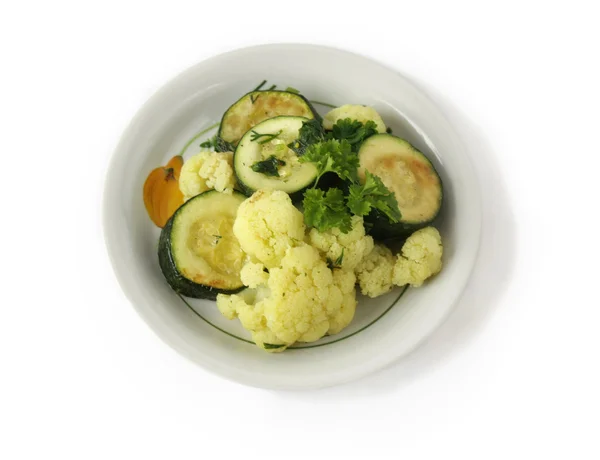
x=310, y=133
x=268, y=167
x=373, y=195
x=332, y=156
x=353, y=131
x=326, y=210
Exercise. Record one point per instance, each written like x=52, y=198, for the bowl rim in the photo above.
x=164, y=332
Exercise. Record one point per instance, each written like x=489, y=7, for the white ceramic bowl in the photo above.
x=384, y=329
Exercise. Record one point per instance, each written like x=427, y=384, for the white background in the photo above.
x=514, y=373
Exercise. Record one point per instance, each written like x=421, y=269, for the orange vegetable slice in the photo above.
x=161, y=193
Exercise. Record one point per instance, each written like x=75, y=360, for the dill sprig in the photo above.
x=267, y=137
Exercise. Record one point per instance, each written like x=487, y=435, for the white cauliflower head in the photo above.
x=355, y=112
x=375, y=272
x=300, y=291
x=421, y=258
x=205, y=171
x=303, y=301
x=267, y=224
x=348, y=249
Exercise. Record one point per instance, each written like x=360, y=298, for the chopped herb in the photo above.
x=290, y=89
x=354, y=131
x=332, y=156
x=272, y=346
x=262, y=83
x=336, y=151
x=340, y=259
x=373, y=195
x=268, y=137
x=253, y=98
x=337, y=263
x=311, y=132
x=272, y=87
x=223, y=146
x=209, y=143
x=324, y=211
x=268, y=167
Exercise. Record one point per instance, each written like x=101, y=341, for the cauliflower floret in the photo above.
x=205, y=171
x=267, y=224
x=421, y=258
x=375, y=272
x=248, y=307
x=254, y=275
x=303, y=301
x=300, y=291
x=341, y=316
x=307, y=299
x=349, y=248
x=355, y=112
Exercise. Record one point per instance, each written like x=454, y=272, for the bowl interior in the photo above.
x=384, y=328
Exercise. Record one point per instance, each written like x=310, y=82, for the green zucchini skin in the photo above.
x=295, y=196
x=380, y=228
x=175, y=279
x=223, y=145
x=383, y=149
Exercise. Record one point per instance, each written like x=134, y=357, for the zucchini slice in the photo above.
x=258, y=106
x=198, y=253
x=409, y=175
x=263, y=160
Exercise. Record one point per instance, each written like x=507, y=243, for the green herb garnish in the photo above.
x=340, y=259
x=311, y=132
x=272, y=87
x=268, y=167
x=224, y=146
x=290, y=89
x=354, y=131
x=272, y=346
x=209, y=143
x=268, y=137
x=336, y=152
x=373, y=195
x=262, y=83
x=325, y=210
x=337, y=263
x=332, y=156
